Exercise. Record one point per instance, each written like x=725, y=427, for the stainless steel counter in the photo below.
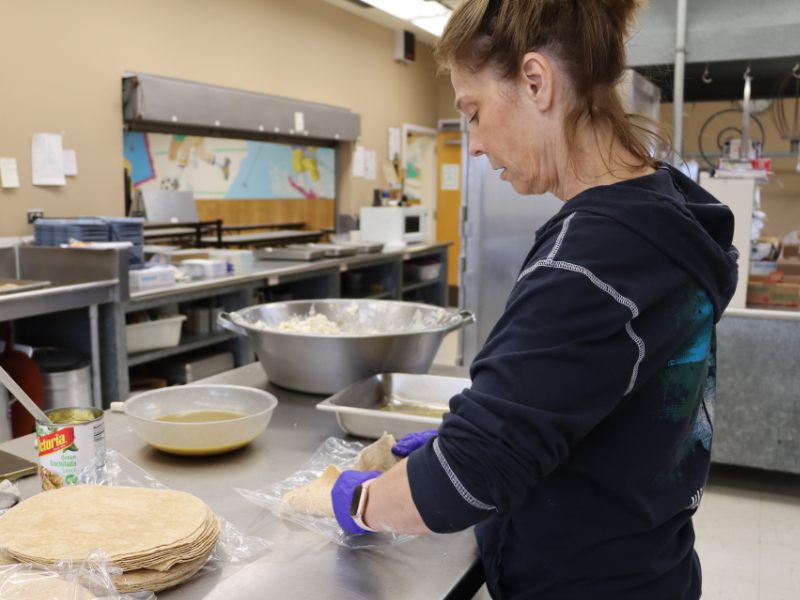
x=79, y=279
x=301, y=564
x=273, y=270
x=775, y=313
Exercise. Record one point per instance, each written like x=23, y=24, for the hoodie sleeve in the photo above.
x=561, y=358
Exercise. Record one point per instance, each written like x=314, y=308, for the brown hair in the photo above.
x=585, y=38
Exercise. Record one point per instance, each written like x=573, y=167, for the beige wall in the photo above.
x=447, y=98
x=779, y=199
x=63, y=62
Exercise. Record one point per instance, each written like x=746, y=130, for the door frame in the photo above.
x=407, y=129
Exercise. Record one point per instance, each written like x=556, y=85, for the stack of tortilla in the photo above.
x=41, y=586
x=159, y=538
x=315, y=498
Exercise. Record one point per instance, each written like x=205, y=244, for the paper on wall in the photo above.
x=450, y=176
x=370, y=165
x=394, y=143
x=70, y=162
x=358, y=161
x=391, y=176
x=8, y=173
x=47, y=157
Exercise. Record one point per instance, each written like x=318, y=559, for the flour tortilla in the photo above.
x=315, y=498
x=151, y=580
x=40, y=586
x=128, y=523
x=378, y=456
x=157, y=561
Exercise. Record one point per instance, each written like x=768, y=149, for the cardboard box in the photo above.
x=154, y=277
x=789, y=261
x=776, y=289
x=757, y=292
x=763, y=267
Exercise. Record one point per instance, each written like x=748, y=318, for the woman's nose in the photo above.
x=475, y=146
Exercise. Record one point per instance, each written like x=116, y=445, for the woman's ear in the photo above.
x=537, y=75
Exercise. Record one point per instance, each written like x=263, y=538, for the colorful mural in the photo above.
x=220, y=168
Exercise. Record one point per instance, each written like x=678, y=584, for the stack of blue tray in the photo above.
x=54, y=232
x=125, y=229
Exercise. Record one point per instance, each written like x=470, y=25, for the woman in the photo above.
x=582, y=448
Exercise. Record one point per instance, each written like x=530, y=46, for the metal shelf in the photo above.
x=420, y=284
x=188, y=343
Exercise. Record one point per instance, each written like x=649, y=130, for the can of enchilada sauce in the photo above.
x=76, y=439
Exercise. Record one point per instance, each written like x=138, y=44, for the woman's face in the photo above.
x=514, y=123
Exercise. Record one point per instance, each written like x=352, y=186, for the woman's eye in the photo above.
x=474, y=118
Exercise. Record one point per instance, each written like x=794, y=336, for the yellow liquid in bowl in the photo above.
x=202, y=416
x=417, y=410
x=201, y=451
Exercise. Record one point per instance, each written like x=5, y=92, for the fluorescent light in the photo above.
x=434, y=25
x=433, y=13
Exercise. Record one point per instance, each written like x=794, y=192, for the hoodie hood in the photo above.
x=676, y=216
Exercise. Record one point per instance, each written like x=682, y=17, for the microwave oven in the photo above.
x=386, y=224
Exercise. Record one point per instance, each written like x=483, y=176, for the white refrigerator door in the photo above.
x=498, y=230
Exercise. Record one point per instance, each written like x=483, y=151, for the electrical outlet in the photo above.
x=33, y=214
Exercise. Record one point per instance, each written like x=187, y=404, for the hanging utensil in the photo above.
x=20, y=395
x=706, y=77
x=26, y=374
x=744, y=148
x=786, y=110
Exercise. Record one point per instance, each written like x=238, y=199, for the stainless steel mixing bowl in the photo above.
x=326, y=364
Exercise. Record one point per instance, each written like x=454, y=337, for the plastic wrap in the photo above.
x=333, y=452
x=9, y=496
x=232, y=545
x=89, y=576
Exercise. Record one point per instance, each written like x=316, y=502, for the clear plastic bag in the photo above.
x=9, y=496
x=89, y=576
x=232, y=547
x=333, y=452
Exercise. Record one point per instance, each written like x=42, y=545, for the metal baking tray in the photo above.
x=364, y=247
x=334, y=250
x=293, y=252
x=23, y=285
x=358, y=408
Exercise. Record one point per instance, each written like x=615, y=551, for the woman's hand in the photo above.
x=411, y=441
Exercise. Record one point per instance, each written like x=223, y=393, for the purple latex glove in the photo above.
x=342, y=496
x=410, y=442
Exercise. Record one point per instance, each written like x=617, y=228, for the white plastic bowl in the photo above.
x=198, y=439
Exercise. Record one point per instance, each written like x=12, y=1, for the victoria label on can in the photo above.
x=67, y=447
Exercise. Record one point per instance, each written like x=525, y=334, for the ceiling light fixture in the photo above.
x=427, y=15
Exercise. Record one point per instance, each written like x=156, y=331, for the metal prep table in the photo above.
x=268, y=279
x=301, y=564
x=67, y=312
x=266, y=238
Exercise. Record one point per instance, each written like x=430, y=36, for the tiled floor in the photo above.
x=747, y=528
x=748, y=535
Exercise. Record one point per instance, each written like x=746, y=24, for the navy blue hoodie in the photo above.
x=582, y=448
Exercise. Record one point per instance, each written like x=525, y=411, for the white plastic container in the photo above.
x=206, y=269
x=240, y=260
x=415, y=272
x=763, y=267
x=148, y=278
x=154, y=335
